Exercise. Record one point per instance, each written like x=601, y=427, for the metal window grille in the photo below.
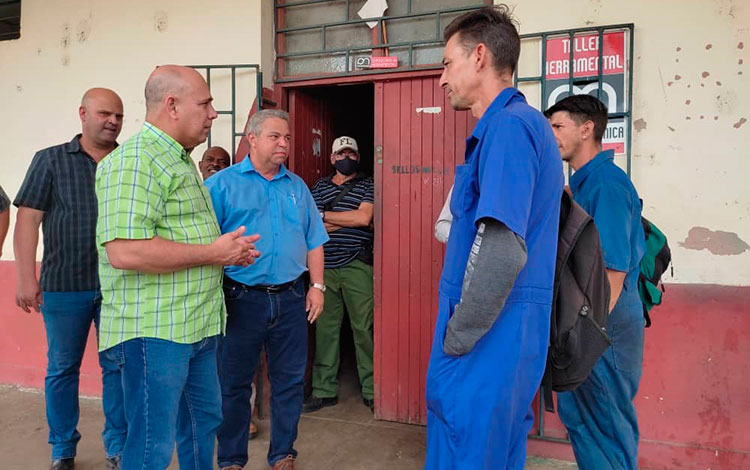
x=337, y=56
x=232, y=111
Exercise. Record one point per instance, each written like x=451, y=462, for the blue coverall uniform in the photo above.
x=479, y=404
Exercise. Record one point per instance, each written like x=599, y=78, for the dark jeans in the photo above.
x=67, y=320
x=600, y=414
x=171, y=395
x=256, y=319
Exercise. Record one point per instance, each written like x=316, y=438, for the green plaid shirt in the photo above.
x=150, y=187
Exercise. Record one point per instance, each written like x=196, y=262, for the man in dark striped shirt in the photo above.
x=345, y=201
x=58, y=193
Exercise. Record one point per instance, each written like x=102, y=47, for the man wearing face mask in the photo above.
x=345, y=201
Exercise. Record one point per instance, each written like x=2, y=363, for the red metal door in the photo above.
x=419, y=139
x=311, y=118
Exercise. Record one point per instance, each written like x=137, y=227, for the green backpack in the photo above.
x=655, y=261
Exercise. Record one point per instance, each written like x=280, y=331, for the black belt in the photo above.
x=267, y=288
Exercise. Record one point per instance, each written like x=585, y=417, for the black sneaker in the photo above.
x=113, y=463
x=63, y=464
x=313, y=403
x=370, y=403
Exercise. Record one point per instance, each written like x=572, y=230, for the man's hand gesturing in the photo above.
x=232, y=249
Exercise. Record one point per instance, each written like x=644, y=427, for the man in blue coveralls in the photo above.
x=492, y=329
x=599, y=414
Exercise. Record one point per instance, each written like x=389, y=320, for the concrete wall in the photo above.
x=68, y=46
x=690, y=113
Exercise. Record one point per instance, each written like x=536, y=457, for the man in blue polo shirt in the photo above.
x=492, y=330
x=267, y=302
x=599, y=414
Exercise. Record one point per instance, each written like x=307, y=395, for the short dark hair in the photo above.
x=583, y=108
x=493, y=26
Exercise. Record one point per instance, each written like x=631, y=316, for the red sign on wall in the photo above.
x=585, y=65
x=585, y=56
x=384, y=62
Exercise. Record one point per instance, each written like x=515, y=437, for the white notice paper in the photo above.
x=373, y=9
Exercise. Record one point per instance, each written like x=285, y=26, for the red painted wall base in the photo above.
x=693, y=403
x=23, y=343
x=694, y=399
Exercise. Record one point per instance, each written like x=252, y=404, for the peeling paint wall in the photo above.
x=691, y=139
x=69, y=46
x=690, y=106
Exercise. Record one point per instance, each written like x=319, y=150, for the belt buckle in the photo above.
x=273, y=289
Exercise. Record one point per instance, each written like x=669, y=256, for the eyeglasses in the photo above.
x=345, y=154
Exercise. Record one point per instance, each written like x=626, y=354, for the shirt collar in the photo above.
x=577, y=178
x=165, y=139
x=503, y=99
x=246, y=166
x=74, y=146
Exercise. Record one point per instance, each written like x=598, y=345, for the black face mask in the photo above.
x=346, y=166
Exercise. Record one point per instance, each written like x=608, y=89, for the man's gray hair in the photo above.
x=255, y=124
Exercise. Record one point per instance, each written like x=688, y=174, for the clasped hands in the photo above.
x=234, y=249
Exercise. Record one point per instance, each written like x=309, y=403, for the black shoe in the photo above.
x=313, y=403
x=113, y=463
x=63, y=464
x=370, y=403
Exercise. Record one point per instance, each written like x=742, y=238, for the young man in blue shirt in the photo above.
x=492, y=329
x=267, y=303
x=599, y=414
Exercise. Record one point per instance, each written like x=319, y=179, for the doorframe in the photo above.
x=281, y=93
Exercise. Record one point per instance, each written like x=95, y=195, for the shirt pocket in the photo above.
x=461, y=198
x=293, y=207
x=188, y=215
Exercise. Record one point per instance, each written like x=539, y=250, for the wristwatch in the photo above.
x=322, y=287
x=323, y=215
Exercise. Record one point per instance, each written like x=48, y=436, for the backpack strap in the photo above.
x=549, y=404
x=345, y=188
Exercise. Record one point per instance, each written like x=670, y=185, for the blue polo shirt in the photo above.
x=608, y=195
x=513, y=173
x=281, y=210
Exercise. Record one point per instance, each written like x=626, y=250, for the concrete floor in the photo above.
x=341, y=437
x=344, y=436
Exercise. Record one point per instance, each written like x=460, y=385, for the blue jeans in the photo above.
x=278, y=322
x=599, y=414
x=67, y=320
x=171, y=395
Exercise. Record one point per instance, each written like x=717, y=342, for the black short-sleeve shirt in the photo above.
x=60, y=182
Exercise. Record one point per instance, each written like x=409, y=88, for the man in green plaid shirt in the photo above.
x=161, y=258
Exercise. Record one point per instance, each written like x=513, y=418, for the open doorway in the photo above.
x=319, y=115
x=412, y=139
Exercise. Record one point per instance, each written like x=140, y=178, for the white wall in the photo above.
x=696, y=173
x=693, y=176
x=68, y=46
